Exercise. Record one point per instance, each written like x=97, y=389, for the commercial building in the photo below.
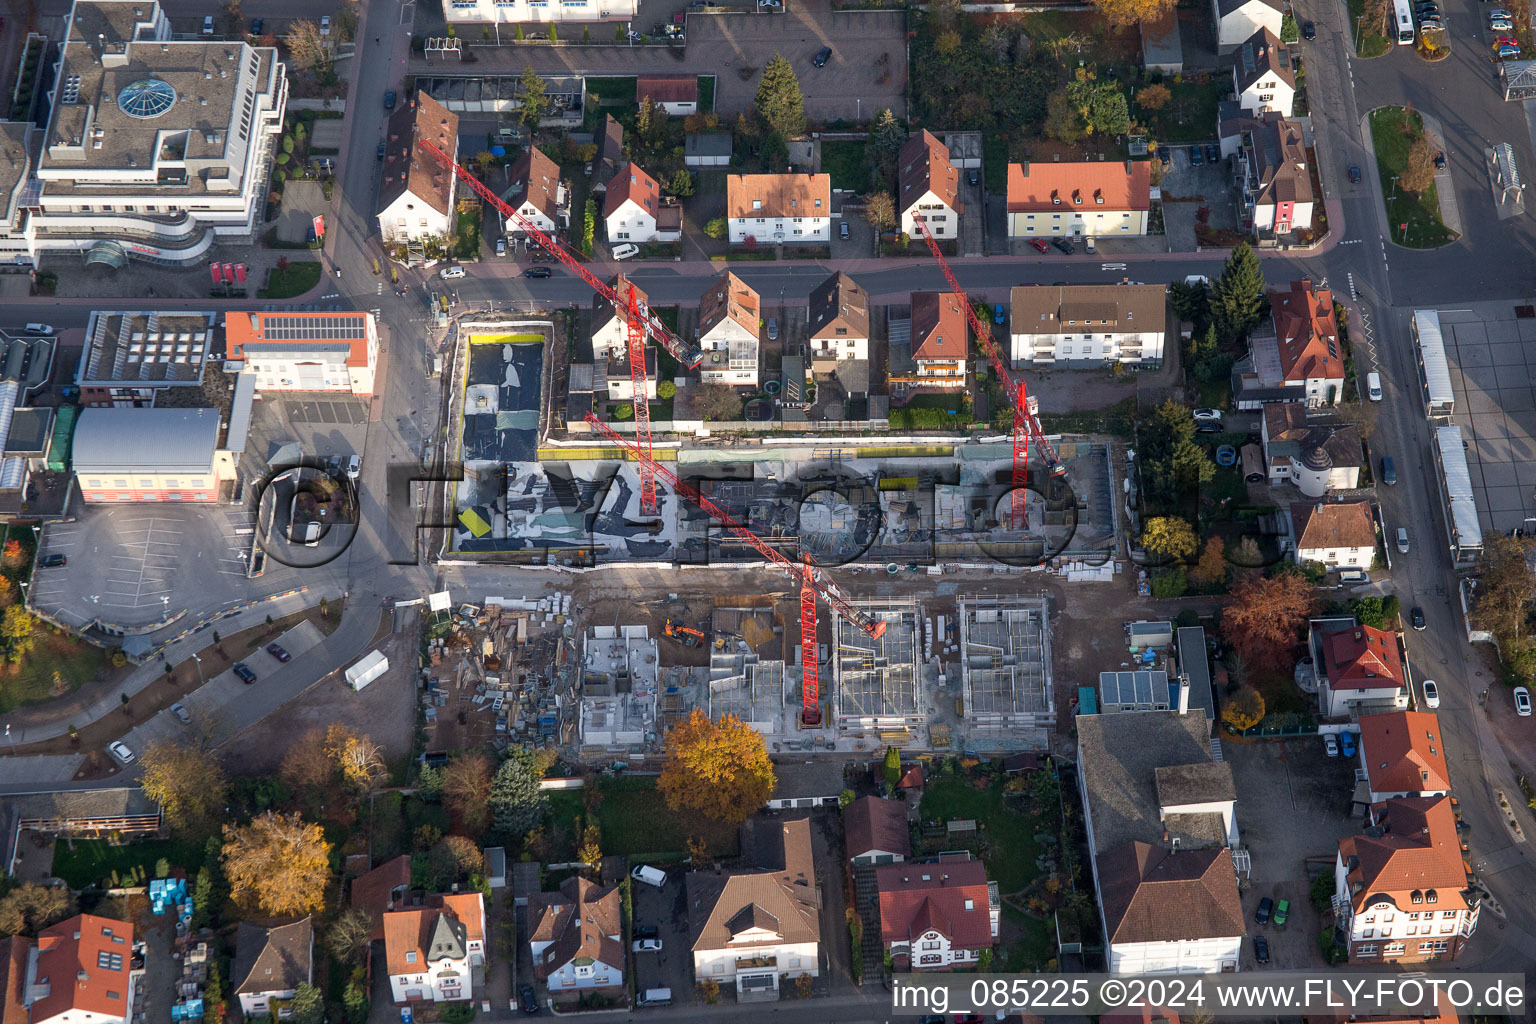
x=136, y=455
x=156, y=148
x=1341, y=536
x=502, y=15
x=1005, y=658
x=791, y=209
x=133, y=358
x=1262, y=78
x=1315, y=458
x=937, y=916
x=928, y=187
x=329, y=352
x=417, y=190
x=1088, y=325
x=730, y=319
x=1079, y=198
x=1160, y=817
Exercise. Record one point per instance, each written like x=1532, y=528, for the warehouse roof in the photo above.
x=163, y=440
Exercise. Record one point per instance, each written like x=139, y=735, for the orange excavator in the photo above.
x=686, y=635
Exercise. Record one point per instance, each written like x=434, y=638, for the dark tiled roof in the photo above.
x=273, y=959
x=839, y=302
x=580, y=921
x=871, y=823
x=783, y=887
x=1150, y=894
x=1120, y=755
x=1182, y=784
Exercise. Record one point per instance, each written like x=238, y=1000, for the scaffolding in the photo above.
x=1005, y=657
x=877, y=678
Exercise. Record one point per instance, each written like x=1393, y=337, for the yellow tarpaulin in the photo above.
x=471, y=519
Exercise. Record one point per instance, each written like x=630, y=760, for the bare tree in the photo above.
x=306, y=46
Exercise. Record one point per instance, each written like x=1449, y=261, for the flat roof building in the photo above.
x=131, y=357
x=134, y=455
x=332, y=351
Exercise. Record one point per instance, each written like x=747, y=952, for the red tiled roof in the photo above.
x=924, y=166
x=372, y=891
x=631, y=182
x=13, y=979
x=871, y=823
x=536, y=181
x=412, y=931
x=1032, y=187
x=1362, y=658
x=1344, y=525
x=408, y=167
x=778, y=195
x=729, y=297
x=1419, y=851
x=917, y=898
x=87, y=959
x=1307, y=334
x=1404, y=752
x=939, y=329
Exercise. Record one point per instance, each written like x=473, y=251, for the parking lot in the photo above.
x=1293, y=803
x=667, y=909
x=139, y=565
x=320, y=427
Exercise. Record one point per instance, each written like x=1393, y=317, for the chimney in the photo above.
x=1184, y=696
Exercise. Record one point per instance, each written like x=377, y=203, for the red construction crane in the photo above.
x=813, y=581
x=1026, y=410
x=638, y=321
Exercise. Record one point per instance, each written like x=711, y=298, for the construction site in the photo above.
x=1005, y=665
x=877, y=687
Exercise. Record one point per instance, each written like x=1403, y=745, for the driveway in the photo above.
x=302, y=202
x=667, y=909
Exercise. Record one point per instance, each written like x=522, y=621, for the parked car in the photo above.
x=1522, y=702
x=973, y=177
x=1498, y=12
x=538, y=272
x=1282, y=911
x=1402, y=539
x=1065, y=245
x=1416, y=617
x=389, y=99
x=208, y=25
x=1388, y=471
x=1212, y=153
x=1354, y=173
x=1501, y=25
x=1040, y=244
x=1347, y=744
x=1439, y=160
x=528, y=1000
x=646, y=931
x=1165, y=155
x=452, y=274
x=822, y=56
x=1266, y=908
x=182, y=715
x=325, y=25
x=1507, y=52
x=1207, y=414
x=256, y=26
x=380, y=151
x=38, y=328
x=1196, y=156
x=354, y=468
x=1431, y=694
x=998, y=316
x=501, y=246
x=1208, y=427
x=1505, y=41
x=647, y=946
x=625, y=250
x=773, y=328
x=120, y=753
x=1261, y=949
x=843, y=230
x=1309, y=31
x=1373, y=386
x=276, y=650
x=53, y=561
x=244, y=672
x=1330, y=744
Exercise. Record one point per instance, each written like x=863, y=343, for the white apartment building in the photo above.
x=1339, y=536
x=791, y=209
x=417, y=190
x=928, y=187
x=610, y=345
x=336, y=351
x=431, y=953
x=839, y=319
x=937, y=916
x=577, y=941
x=156, y=149
x=1083, y=198
x=502, y=15
x=730, y=315
x=1262, y=78
x=1088, y=325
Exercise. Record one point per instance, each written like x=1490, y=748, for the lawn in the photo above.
x=1189, y=114
x=1027, y=942
x=636, y=821
x=76, y=662
x=706, y=94
x=621, y=88
x=84, y=862
x=994, y=163
x=466, y=229
x=1420, y=212
x=1010, y=835
x=847, y=161
x=1368, y=42
x=299, y=277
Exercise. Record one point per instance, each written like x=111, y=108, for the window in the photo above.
x=1437, y=946
x=93, y=483
x=146, y=483
x=410, y=957
x=170, y=483
x=931, y=944
x=970, y=904
x=1369, y=933
x=120, y=484
x=1365, y=951
x=1393, y=948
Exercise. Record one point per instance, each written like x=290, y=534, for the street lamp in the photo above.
x=199, y=669
x=10, y=739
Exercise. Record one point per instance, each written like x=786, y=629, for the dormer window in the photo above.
x=757, y=204
x=1055, y=198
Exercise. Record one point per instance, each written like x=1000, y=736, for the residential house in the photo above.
x=436, y=953
x=89, y=960
x=1400, y=889
x=676, y=94
x=1262, y=78
x=730, y=319
x=1403, y=755
x=1301, y=360
x=610, y=345
x=1088, y=325
x=928, y=187
x=806, y=785
x=610, y=154
x=578, y=937
x=381, y=890
x=333, y=351
x=791, y=209
x=1237, y=20
x=939, y=916
x=1273, y=172
x=940, y=342
x=271, y=964
x=1161, y=48
x=417, y=191
x=875, y=831
x=749, y=928
x=503, y=15
x=537, y=194
x=838, y=325
x=632, y=206
x=1316, y=458
x=1079, y=198
x=707, y=150
x=1160, y=819
x=1360, y=669
x=1341, y=536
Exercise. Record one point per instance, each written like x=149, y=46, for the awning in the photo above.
x=218, y=274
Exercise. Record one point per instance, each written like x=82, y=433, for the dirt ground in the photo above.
x=384, y=710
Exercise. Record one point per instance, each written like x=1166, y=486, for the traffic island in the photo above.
x=1407, y=173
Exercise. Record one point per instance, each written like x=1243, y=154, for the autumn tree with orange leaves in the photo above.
x=1266, y=614
x=279, y=863
x=718, y=769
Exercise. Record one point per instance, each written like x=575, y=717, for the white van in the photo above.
x=1353, y=576
x=625, y=251
x=649, y=875
x=655, y=997
x=1373, y=386
x=39, y=328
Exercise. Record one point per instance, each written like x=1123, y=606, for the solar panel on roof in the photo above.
x=313, y=328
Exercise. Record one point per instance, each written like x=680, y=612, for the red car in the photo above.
x=1505, y=41
x=1040, y=245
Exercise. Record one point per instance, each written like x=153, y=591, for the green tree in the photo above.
x=202, y=898
x=307, y=1005
x=716, y=228
x=1062, y=122
x=880, y=211
x=1191, y=301
x=535, y=103
x=886, y=137
x=778, y=101
x=554, y=36
x=516, y=802
x=1237, y=299
x=892, y=768
x=1170, y=582
x=16, y=631
x=666, y=389
x=1100, y=105
x=1169, y=536
x=624, y=411
x=681, y=184
x=588, y=226
x=1288, y=33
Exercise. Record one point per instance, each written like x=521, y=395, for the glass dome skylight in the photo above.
x=148, y=97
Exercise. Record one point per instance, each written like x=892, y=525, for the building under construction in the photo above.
x=752, y=690
x=876, y=680
x=620, y=676
x=1005, y=659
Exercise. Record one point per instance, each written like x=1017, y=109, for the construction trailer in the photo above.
x=1005, y=664
x=368, y=668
